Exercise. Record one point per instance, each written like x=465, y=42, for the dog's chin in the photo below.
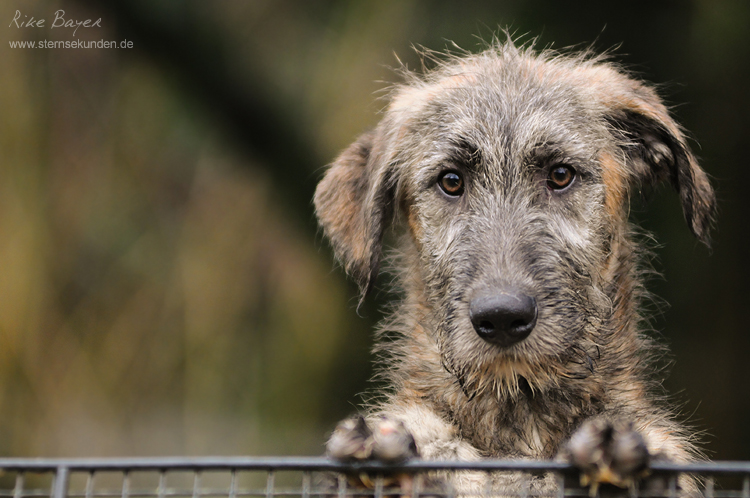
x=527, y=367
x=507, y=375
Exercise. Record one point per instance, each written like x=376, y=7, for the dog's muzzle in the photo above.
x=503, y=317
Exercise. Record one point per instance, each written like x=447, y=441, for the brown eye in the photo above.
x=451, y=183
x=560, y=177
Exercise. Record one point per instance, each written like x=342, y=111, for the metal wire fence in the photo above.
x=310, y=477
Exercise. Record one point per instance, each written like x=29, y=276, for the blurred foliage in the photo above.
x=162, y=287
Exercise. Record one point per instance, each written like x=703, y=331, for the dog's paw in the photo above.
x=608, y=452
x=383, y=439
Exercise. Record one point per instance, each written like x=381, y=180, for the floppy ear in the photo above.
x=656, y=150
x=353, y=201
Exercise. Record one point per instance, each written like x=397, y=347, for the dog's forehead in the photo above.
x=511, y=105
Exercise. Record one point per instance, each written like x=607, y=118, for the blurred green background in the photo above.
x=163, y=288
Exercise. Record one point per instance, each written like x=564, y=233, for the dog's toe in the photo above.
x=351, y=440
x=392, y=441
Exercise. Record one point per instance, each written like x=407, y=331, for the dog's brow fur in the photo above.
x=503, y=118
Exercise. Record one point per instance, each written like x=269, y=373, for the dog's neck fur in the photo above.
x=528, y=421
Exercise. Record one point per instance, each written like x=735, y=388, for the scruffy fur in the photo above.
x=503, y=118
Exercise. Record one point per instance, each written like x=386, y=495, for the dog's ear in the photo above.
x=353, y=202
x=656, y=150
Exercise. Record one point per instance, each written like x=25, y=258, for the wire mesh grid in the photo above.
x=310, y=477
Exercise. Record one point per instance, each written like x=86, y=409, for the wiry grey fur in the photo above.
x=503, y=118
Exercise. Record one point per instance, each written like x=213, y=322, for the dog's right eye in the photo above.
x=451, y=183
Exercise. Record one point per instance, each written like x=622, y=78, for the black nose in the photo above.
x=504, y=317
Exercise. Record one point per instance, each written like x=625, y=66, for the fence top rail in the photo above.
x=163, y=464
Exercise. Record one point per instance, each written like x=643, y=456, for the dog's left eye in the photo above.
x=561, y=176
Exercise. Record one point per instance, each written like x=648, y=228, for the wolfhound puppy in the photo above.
x=509, y=172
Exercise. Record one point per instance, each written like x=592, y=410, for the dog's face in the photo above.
x=512, y=172
x=506, y=200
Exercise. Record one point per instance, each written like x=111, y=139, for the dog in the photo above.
x=508, y=175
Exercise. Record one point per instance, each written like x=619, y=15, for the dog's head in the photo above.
x=512, y=172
